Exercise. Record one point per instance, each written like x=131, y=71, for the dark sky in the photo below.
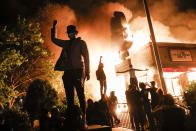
x=178, y=15
x=11, y=8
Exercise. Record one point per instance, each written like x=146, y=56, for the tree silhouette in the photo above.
x=40, y=96
x=23, y=59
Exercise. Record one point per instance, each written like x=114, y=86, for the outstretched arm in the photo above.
x=53, y=35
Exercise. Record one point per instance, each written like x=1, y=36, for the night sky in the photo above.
x=11, y=8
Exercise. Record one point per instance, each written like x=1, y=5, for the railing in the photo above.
x=123, y=115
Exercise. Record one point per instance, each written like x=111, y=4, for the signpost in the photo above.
x=155, y=49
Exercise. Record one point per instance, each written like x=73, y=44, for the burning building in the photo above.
x=178, y=62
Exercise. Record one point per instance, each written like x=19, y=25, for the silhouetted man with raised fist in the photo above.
x=74, y=61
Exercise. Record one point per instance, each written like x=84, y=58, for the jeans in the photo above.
x=74, y=79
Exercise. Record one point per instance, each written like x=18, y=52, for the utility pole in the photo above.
x=155, y=49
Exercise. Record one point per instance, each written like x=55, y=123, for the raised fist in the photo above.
x=87, y=77
x=54, y=23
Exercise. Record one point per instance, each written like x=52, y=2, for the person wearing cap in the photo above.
x=74, y=61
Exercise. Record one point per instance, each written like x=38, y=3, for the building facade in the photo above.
x=178, y=62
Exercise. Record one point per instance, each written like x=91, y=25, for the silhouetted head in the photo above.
x=168, y=99
x=160, y=92
x=152, y=83
x=112, y=93
x=142, y=85
x=71, y=31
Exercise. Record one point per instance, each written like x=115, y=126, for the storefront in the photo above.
x=178, y=62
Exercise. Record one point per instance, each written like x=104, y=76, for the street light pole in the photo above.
x=155, y=48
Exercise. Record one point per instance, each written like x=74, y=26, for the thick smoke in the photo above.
x=182, y=25
x=94, y=28
x=64, y=16
x=92, y=20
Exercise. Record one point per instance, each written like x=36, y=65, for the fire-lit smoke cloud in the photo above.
x=93, y=25
x=182, y=25
x=64, y=16
x=94, y=28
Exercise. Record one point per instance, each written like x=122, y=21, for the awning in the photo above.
x=186, y=69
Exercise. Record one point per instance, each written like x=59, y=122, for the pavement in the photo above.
x=121, y=129
x=106, y=128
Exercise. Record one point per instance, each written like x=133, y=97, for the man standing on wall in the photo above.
x=101, y=77
x=74, y=61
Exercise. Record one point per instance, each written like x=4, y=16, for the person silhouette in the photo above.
x=112, y=102
x=101, y=77
x=74, y=61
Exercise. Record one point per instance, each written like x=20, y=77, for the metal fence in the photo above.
x=123, y=115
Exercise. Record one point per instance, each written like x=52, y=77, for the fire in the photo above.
x=110, y=59
x=173, y=82
x=191, y=76
x=171, y=79
x=114, y=82
x=139, y=38
x=127, y=33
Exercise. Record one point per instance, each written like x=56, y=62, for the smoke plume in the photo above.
x=92, y=19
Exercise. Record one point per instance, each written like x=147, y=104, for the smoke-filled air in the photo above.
x=93, y=26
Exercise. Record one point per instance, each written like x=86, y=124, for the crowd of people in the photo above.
x=149, y=110
x=101, y=112
x=152, y=110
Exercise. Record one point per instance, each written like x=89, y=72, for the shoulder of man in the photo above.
x=80, y=40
